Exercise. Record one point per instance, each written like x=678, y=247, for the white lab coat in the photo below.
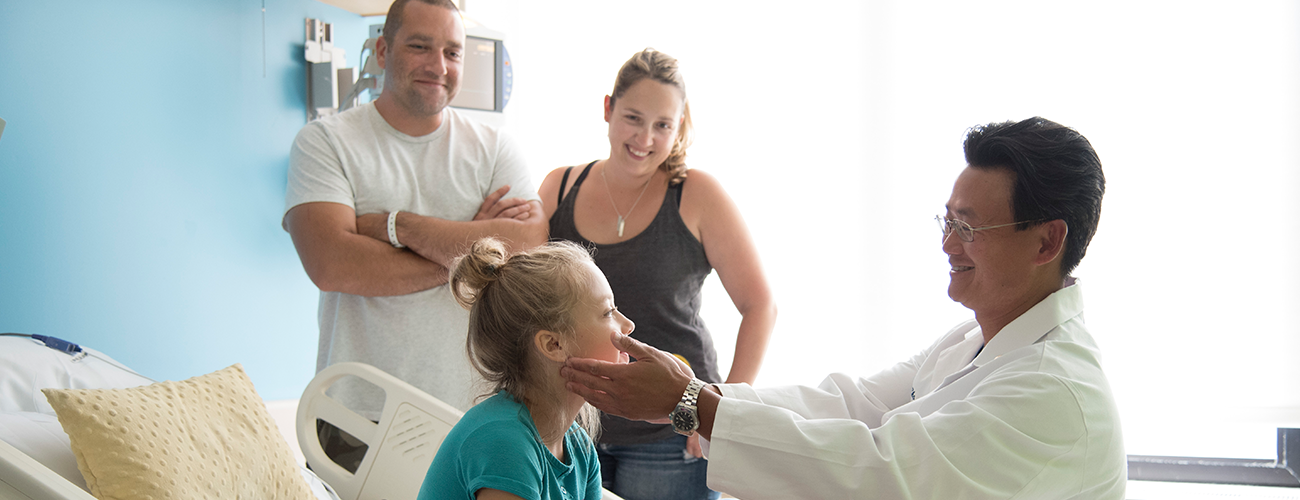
x=1030, y=417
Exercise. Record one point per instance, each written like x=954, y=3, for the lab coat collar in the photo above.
x=956, y=361
x=1059, y=307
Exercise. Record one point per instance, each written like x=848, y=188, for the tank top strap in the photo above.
x=576, y=183
x=563, y=181
x=671, y=207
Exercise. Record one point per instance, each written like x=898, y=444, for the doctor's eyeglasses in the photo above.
x=963, y=230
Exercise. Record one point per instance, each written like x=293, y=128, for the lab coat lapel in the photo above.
x=1034, y=324
x=956, y=361
x=1024, y=331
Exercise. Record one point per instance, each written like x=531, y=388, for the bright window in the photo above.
x=837, y=127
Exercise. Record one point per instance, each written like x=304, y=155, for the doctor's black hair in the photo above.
x=1057, y=176
x=393, y=21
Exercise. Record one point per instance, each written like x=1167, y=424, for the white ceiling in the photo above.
x=362, y=7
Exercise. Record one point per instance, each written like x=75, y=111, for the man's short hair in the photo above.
x=1057, y=176
x=393, y=22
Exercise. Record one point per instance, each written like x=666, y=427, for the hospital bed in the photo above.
x=36, y=461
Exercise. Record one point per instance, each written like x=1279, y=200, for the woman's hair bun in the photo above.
x=476, y=270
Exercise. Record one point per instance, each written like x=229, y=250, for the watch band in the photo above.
x=686, y=417
x=691, y=397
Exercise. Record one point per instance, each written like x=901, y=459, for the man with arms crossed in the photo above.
x=382, y=197
x=1012, y=404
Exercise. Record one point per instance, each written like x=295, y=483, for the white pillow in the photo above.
x=26, y=367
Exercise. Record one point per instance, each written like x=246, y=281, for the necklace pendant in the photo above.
x=620, y=226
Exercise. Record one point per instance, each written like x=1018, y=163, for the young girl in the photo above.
x=528, y=313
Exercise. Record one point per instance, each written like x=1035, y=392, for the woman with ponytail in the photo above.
x=658, y=230
x=529, y=312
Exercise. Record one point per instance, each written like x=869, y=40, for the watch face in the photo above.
x=683, y=420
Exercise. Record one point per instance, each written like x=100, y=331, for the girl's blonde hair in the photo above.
x=661, y=68
x=512, y=297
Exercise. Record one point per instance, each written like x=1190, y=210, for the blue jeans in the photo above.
x=660, y=470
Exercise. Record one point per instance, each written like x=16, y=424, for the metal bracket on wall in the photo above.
x=325, y=71
x=1285, y=471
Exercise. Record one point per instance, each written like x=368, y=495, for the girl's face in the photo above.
x=597, y=318
x=643, y=123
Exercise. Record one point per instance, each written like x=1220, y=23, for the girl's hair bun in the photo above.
x=476, y=270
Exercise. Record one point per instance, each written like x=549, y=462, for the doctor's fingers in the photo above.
x=613, y=404
x=614, y=382
x=645, y=353
x=593, y=373
x=580, y=383
x=595, y=398
x=636, y=348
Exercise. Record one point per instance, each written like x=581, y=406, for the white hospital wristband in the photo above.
x=392, y=230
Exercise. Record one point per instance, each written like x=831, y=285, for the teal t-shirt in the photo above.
x=495, y=445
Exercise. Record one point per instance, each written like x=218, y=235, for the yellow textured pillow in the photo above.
x=206, y=437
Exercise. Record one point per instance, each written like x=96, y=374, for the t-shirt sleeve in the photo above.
x=500, y=456
x=315, y=171
x=511, y=169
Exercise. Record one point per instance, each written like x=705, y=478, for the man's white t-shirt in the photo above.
x=357, y=159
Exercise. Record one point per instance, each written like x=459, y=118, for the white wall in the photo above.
x=837, y=126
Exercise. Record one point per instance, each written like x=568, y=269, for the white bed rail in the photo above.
x=400, y=447
x=22, y=477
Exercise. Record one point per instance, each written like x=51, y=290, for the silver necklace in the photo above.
x=621, y=219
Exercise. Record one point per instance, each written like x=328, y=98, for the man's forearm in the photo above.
x=403, y=274
x=338, y=259
x=385, y=272
x=441, y=241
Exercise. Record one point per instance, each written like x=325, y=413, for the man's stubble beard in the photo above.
x=415, y=103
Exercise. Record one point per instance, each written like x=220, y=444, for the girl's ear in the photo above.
x=548, y=343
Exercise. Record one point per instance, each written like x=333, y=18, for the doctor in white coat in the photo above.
x=1010, y=405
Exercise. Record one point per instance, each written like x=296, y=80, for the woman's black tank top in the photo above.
x=656, y=278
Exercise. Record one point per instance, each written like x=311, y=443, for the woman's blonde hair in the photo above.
x=512, y=297
x=661, y=68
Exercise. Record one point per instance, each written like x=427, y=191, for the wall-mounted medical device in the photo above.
x=487, y=77
x=371, y=77
x=327, y=78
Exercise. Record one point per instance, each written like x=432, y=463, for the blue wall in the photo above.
x=142, y=175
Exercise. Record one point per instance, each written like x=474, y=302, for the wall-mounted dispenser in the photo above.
x=326, y=73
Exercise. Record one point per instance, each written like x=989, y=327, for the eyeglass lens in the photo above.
x=964, y=231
